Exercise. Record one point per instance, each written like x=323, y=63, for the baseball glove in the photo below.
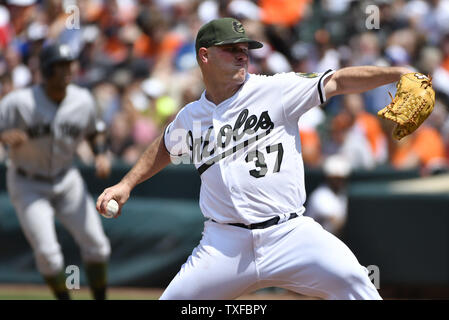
x=412, y=104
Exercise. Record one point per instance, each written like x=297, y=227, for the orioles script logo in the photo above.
x=244, y=126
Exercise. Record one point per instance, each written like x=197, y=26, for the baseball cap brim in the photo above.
x=64, y=59
x=252, y=44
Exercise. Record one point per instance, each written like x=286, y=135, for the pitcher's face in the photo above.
x=230, y=61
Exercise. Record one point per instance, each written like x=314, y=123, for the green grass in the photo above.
x=43, y=293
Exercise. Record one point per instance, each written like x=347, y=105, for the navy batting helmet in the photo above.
x=52, y=54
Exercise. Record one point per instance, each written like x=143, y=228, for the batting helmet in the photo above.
x=52, y=54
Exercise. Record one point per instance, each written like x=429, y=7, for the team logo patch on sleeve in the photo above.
x=307, y=74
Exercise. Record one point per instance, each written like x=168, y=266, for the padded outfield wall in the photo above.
x=404, y=233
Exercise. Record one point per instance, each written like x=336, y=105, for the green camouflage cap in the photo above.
x=223, y=31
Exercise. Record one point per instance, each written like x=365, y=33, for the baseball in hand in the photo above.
x=111, y=209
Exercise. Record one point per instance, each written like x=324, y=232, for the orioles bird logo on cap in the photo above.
x=238, y=27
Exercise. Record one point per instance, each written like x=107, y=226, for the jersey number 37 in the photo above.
x=259, y=160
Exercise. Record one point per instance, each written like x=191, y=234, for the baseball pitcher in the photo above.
x=242, y=136
x=42, y=127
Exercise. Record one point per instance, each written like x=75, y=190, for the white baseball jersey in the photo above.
x=54, y=131
x=247, y=149
x=248, y=152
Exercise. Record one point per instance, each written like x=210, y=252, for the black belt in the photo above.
x=261, y=225
x=39, y=177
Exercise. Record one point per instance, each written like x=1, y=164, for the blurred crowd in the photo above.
x=138, y=59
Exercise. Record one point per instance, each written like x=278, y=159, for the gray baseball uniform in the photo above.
x=41, y=181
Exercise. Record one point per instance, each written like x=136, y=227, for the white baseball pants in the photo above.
x=298, y=255
x=36, y=205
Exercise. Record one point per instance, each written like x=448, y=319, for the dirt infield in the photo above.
x=41, y=292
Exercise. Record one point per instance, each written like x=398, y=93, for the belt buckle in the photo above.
x=283, y=217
